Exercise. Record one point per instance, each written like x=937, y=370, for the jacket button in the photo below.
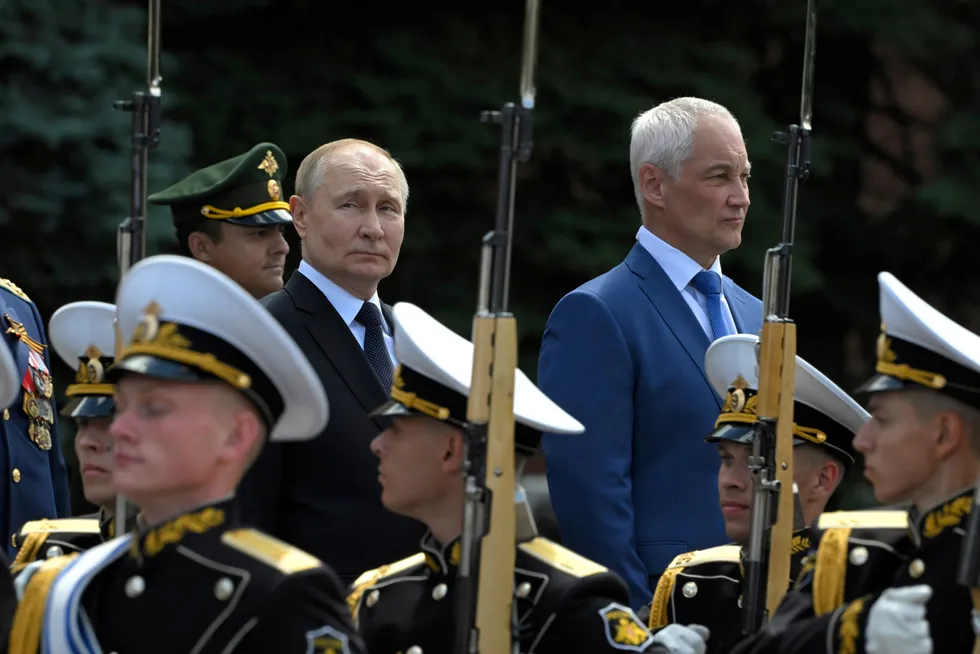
x=16, y=475
x=6, y=414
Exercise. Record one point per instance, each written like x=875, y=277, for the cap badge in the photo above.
x=269, y=165
x=92, y=371
x=275, y=192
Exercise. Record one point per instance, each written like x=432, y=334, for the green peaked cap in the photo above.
x=243, y=190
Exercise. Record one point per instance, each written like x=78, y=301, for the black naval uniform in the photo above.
x=705, y=587
x=222, y=587
x=46, y=539
x=565, y=603
x=859, y=555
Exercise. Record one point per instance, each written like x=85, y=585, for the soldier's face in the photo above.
x=255, y=257
x=899, y=448
x=93, y=448
x=353, y=227
x=419, y=463
x=735, y=489
x=179, y=445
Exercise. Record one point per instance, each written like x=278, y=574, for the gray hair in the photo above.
x=664, y=136
x=310, y=173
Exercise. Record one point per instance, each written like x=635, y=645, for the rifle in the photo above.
x=145, y=136
x=767, y=562
x=485, y=621
x=968, y=573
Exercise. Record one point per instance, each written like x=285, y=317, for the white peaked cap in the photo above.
x=432, y=350
x=76, y=327
x=238, y=333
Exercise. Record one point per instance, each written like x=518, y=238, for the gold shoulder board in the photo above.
x=65, y=526
x=13, y=288
x=271, y=551
x=722, y=553
x=884, y=519
x=564, y=559
x=372, y=577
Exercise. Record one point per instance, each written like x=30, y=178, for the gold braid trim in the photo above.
x=25, y=633
x=849, y=631
x=28, y=551
x=661, y=598
x=830, y=570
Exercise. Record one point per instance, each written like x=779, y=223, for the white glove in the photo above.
x=683, y=640
x=976, y=622
x=897, y=622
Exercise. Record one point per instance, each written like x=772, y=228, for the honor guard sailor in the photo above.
x=564, y=602
x=83, y=336
x=863, y=593
x=36, y=485
x=705, y=587
x=231, y=215
x=205, y=376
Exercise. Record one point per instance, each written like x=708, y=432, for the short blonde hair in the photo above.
x=309, y=175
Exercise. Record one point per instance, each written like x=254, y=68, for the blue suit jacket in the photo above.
x=624, y=354
x=35, y=481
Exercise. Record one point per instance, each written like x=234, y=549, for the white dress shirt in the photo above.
x=348, y=307
x=681, y=269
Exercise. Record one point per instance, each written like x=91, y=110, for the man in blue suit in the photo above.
x=36, y=484
x=624, y=353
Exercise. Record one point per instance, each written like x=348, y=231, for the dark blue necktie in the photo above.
x=708, y=282
x=374, y=344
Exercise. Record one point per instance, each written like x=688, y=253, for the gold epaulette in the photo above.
x=273, y=552
x=64, y=525
x=720, y=554
x=371, y=577
x=883, y=519
x=25, y=633
x=13, y=288
x=559, y=557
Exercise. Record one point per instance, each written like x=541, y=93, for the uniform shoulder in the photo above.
x=372, y=577
x=720, y=554
x=560, y=558
x=270, y=551
x=874, y=519
x=10, y=287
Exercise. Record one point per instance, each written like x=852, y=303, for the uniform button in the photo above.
x=372, y=598
x=917, y=568
x=53, y=552
x=858, y=556
x=438, y=593
x=739, y=601
x=224, y=588
x=523, y=590
x=16, y=475
x=414, y=649
x=6, y=414
x=690, y=589
x=135, y=586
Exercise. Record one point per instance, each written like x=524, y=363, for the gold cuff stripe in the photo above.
x=206, y=362
x=661, y=598
x=806, y=433
x=89, y=389
x=413, y=401
x=214, y=213
x=830, y=572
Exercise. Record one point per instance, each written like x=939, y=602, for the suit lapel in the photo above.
x=337, y=342
x=674, y=310
x=736, y=304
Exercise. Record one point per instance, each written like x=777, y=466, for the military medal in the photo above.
x=38, y=390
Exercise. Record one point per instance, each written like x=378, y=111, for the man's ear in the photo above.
x=297, y=207
x=951, y=432
x=243, y=437
x=652, y=184
x=452, y=460
x=199, y=244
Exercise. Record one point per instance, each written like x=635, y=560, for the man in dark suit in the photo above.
x=625, y=354
x=323, y=495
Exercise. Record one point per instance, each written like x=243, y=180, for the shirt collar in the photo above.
x=441, y=558
x=951, y=512
x=679, y=267
x=150, y=541
x=342, y=300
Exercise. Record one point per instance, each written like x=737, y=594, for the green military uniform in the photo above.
x=705, y=587
x=83, y=336
x=859, y=555
x=243, y=190
x=564, y=602
x=200, y=581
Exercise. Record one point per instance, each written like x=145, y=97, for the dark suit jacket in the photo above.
x=624, y=354
x=323, y=495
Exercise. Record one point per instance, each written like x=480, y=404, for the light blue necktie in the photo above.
x=708, y=282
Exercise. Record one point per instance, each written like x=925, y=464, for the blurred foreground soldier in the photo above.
x=564, y=602
x=867, y=590
x=36, y=485
x=205, y=378
x=9, y=390
x=83, y=336
x=231, y=216
x=705, y=587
